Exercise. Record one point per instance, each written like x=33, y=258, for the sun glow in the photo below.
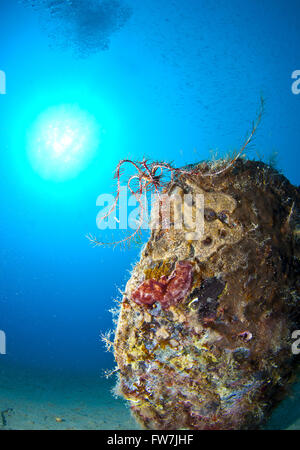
x=62, y=142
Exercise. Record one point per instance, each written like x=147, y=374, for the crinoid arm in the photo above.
x=133, y=237
x=146, y=179
x=246, y=143
x=138, y=194
x=155, y=176
x=117, y=175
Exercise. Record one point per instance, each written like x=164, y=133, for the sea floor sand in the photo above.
x=35, y=400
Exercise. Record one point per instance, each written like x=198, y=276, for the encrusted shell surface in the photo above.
x=221, y=357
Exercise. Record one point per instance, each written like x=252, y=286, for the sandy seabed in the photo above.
x=31, y=399
x=39, y=400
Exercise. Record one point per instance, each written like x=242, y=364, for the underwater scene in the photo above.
x=150, y=215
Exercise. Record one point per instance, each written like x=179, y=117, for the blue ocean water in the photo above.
x=174, y=81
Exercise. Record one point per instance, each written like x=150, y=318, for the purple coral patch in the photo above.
x=167, y=291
